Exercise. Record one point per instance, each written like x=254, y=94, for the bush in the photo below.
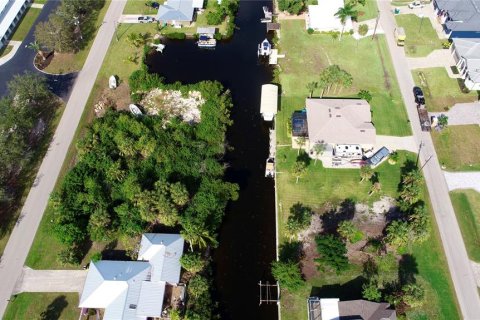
x=299, y=218
x=310, y=31
x=333, y=252
x=69, y=256
x=192, y=262
x=215, y=17
x=371, y=292
x=176, y=36
x=97, y=256
x=288, y=274
x=446, y=44
x=362, y=29
x=291, y=6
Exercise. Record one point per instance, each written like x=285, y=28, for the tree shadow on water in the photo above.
x=350, y=290
x=54, y=309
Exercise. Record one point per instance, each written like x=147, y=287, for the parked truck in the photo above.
x=400, y=36
x=424, y=118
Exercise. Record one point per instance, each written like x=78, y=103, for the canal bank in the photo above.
x=247, y=236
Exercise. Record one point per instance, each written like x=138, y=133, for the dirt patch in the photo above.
x=118, y=99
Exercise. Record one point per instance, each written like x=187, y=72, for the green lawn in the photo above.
x=367, y=61
x=25, y=24
x=467, y=209
x=140, y=7
x=441, y=91
x=40, y=1
x=458, y=147
x=43, y=306
x=367, y=12
x=421, y=37
x=5, y=50
x=65, y=63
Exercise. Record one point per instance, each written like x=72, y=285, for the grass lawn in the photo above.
x=441, y=91
x=458, y=147
x=43, y=306
x=5, y=50
x=140, y=7
x=25, y=24
x=367, y=12
x=40, y=1
x=421, y=37
x=66, y=63
x=368, y=62
x=467, y=209
x=320, y=186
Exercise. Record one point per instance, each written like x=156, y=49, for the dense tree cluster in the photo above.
x=25, y=114
x=333, y=252
x=221, y=11
x=70, y=26
x=135, y=172
x=298, y=219
x=291, y=6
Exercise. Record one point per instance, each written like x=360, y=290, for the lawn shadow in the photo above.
x=304, y=157
x=407, y=269
x=331, y=219
x=351, y=290
x=54, y=309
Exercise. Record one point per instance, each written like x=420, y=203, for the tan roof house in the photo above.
x=338, y=122
x=334, y=309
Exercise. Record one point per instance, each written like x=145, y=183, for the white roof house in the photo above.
x=321, y=17
x=135, y=289
x=178, y=11
x=340, y=121
x=467, y=56
x=10, y=14
x=269, y=101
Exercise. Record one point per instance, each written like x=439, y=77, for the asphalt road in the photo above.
x=457, y=258
x=23, y=62
x=16, y=251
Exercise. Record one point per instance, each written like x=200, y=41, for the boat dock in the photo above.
x=273, y=144
x=274, y=56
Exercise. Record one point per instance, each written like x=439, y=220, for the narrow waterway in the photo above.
x=247, y=236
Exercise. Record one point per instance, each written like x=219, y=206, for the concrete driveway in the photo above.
x=50, y=281
x=397, y=143
x=462, y=114
x=436, y=58
x=133, y=18
x=462, y=180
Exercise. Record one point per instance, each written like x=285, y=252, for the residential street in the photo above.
x=21, y=239
x=458, y=261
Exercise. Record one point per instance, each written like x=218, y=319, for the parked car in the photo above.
x=145, y=19
x=418, y=94
x=415, y=5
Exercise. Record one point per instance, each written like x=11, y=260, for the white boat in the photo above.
x=270, y=168
x=159, y=47
x=135, y=110
x=264, y=48
x=112, y=82
x=206, y=41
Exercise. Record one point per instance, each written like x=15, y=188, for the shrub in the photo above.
x=310, y=31
x=299, y=218
x=446, y=44
x=176, y=36
x=362, y=29
x=349, y=231
x=69, y=256
x=192, y=262
x=215, y=17
x=288, y=274
x=97, y=256
x=371, y=292
x=332, y=251
x=291, y=6
x=365, y=95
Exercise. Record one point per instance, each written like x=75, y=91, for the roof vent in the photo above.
x=338, y=116
x=132, y=306
x=362, y=130
x=338, y=108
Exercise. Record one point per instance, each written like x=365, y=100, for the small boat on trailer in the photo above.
x=135, y=110
x=270, y=168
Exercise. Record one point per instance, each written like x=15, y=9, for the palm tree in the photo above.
x=318, y=149
x=36, y=46
x=299, y=169
x=196, y=236
x=348, y=11
x=366, y=173
x=301, y=141
x=375, y=188
x=311, y=86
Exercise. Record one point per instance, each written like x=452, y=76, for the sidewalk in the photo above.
x=11, y=54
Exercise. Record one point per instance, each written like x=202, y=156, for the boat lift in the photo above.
x=269, y=293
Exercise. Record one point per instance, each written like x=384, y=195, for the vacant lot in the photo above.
x=368, y=11
x=467, y=210
x=25, y=24
x=441, y=91
x=422, y=39
x=368, y=62
x=43, y=306
x=458, y=147
x=73, y=62
x=140, y=7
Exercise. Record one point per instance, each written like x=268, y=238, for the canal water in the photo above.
x=247, y=236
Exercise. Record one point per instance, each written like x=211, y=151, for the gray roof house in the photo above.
x=135, y=289
x=334, y=309
x=178, y=11
x=460, y=19
x=466, y=53
x=340, y=121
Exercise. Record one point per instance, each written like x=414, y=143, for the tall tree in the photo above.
x=57, y=33
x=288, y=274
x=195, y=235
x=366, y=173
x=298, y=169
x=301, y=141
x=344, y=13
x=318, y=149
x=312, y=85
x=375, y=188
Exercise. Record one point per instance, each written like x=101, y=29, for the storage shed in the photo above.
x=269, y=101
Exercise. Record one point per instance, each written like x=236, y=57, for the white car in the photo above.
x=145, y=19
x=415, y=5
